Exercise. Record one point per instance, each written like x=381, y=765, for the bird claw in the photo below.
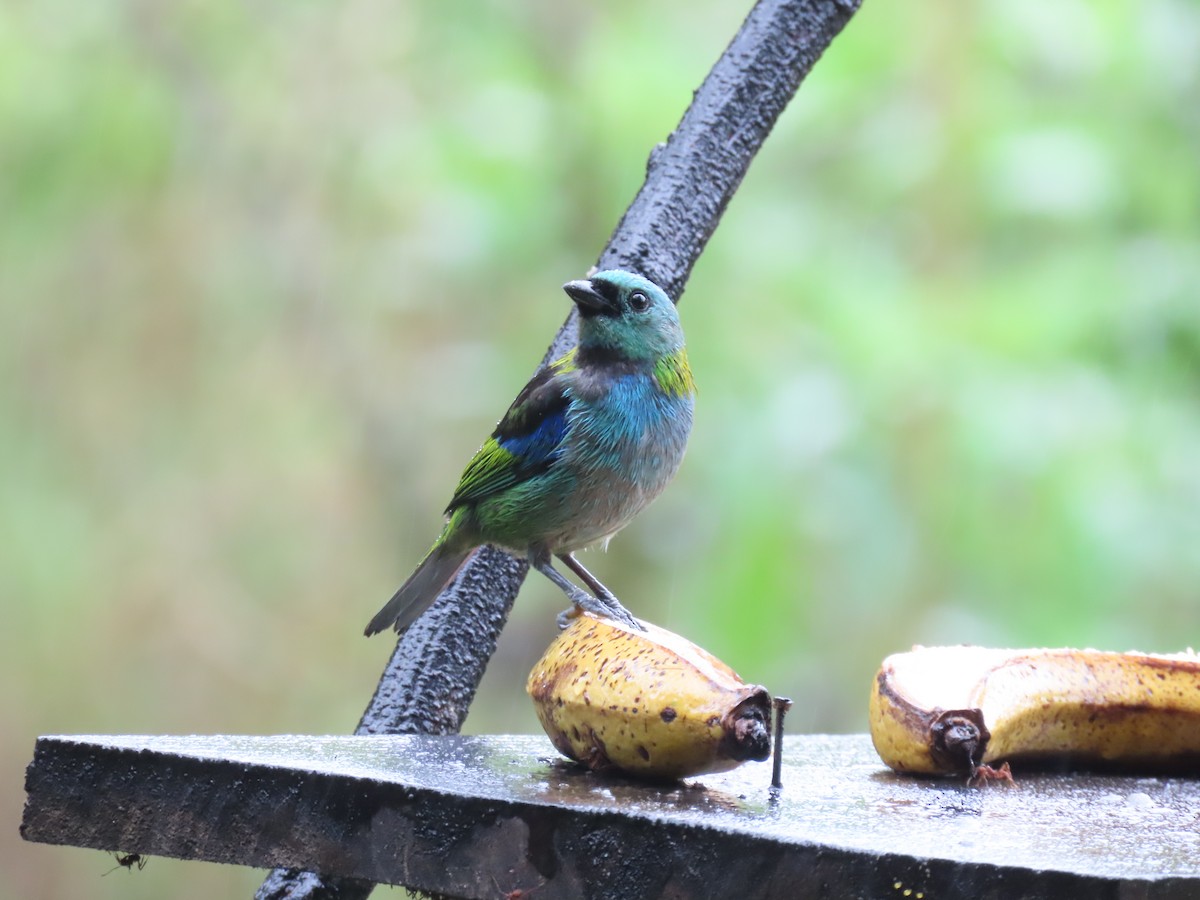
x=624, y=616
x=604, y=609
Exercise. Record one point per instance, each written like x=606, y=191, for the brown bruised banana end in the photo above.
x=964, y=710
x=648, y=703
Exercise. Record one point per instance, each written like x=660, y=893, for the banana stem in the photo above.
x=781, y=706
x=958, y=739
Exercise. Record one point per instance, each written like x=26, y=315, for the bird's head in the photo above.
x=625, y=314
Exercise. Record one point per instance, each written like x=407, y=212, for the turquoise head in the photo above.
x=626, y=316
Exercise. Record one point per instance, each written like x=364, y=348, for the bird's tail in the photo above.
x=436, y=570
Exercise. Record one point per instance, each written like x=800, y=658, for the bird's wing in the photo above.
x=525, y=443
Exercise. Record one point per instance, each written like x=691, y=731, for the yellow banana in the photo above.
x=953, y=710
x=647, y=703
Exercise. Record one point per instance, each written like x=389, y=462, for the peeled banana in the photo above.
x=647, y=703
x=959, y=710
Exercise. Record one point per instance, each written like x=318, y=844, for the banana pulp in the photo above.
x=951, y=710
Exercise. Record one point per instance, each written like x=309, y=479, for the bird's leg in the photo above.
x=616, y=610
x=588, y=578
x=584, y=602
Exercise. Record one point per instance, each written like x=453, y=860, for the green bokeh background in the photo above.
x=270, y=272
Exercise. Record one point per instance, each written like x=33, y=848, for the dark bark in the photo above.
x=431, y=678
x=397, y=809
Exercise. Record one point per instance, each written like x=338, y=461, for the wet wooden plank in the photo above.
x=483, y=816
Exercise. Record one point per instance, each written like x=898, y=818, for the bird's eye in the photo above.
x=639, y=302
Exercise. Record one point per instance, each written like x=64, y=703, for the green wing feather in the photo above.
x=525, y=443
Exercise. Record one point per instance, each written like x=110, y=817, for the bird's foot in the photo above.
x=610, y=608
x=601, y=609
x=603, y=604
x=621, y=614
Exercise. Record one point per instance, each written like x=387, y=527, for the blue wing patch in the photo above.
x=540, y=445
x=526, y=442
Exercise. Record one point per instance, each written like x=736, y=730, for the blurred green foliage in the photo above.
x=269, y=273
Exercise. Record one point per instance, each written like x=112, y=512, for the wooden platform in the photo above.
x=485, y=816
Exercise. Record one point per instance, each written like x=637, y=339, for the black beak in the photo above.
x=589, y=300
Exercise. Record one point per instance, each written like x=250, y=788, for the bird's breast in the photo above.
x=624, y=448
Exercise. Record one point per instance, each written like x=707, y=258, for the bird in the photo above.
x=587, y=444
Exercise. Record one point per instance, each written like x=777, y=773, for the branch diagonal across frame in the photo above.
x=431, y=678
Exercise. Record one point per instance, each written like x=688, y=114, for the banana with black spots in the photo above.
x=647, y=703
x=964, y=710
